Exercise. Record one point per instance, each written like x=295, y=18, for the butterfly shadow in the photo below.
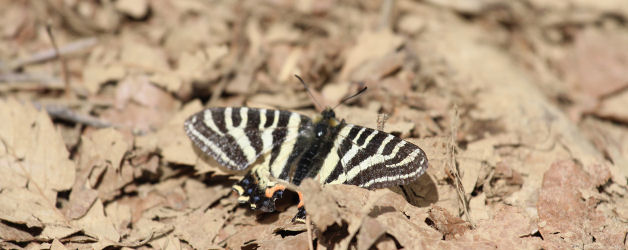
x=285, y=204
x=420, y=193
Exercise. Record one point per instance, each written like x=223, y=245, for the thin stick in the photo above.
x=454, y=169
x=309, y=232
x=52, y=53
x=16, y=78
x=64, y=113
x=381, y=121
x=218, y=90
x=385, y=14
x=64, y=65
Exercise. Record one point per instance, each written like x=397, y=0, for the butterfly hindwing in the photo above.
x=237, y=137
x=371, y=158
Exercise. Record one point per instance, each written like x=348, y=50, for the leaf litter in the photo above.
x=520, y=108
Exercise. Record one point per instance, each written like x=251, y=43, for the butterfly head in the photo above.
x=328, y=114
x=324, y=122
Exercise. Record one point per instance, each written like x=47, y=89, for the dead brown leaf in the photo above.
x=200, y=227
x=565, y=218
x=24, y=158
x=96, y=75
x=135, y=9
x=595, y=65
x=170, y=139
x=518, y=74
x=510, y=225
x=29, y=208
x=140, y=105
x=137, y=54
x=370, y=45
x=370, y=231
x=96, y=223
x=56, y=245
x=614, y=107
x=447, y=224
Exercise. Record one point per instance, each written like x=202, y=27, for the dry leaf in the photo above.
x=375, y=69
x=614, y=107
x=370, y=45
x=370, y=231
x=446, y=223
x=134, y=8
x=411, y=24
x=595, y=66
x=167, y=243
x=298, y=242
x=120, y=216
x=515, y=76
x=139, y=55
x=508, y=226
x=140, y=105
x=169, y=81
x=200, y=227
x=332, y=93
x=96, y=75
x=96, y=224
x=171, y=139
x=565, y=219
x=324, y=215
x=9, y=233
x=33, y=210
x=56, y=245
x=105, y=146
x=81, y=199
x=199, y=194
x=285, y=101
x=45, y=165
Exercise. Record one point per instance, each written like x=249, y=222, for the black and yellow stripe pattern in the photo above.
x=290, y=147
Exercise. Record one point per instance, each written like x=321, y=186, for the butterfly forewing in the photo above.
x=371, y=159
x=237, y=137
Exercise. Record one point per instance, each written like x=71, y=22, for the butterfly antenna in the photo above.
x=309, y=92
x=354, y=95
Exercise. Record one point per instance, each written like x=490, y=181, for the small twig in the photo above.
x=47, y=81
x=218, y=90
x=385, y=14
x=309, y=232
x=381, y=121
x=52, y=53
x=454, y=169
x=75, y=22
x=64, y=113
x=64, y=65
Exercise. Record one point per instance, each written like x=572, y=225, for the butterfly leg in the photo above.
x=300, y=216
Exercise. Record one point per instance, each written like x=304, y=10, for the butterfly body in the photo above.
x=283, y=146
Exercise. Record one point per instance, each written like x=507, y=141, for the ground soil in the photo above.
x=521, y=107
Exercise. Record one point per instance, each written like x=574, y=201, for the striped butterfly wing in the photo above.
x=237, y=137
x=371, y=159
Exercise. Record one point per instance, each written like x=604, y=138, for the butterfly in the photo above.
x=283, y=147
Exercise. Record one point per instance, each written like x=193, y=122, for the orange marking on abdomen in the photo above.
x=270, y=191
